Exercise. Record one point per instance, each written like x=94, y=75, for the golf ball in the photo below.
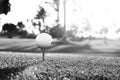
x=44, y=40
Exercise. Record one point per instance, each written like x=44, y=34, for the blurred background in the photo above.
x=73, y=19
x=76, y=26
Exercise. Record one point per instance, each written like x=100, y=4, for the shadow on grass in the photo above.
x=8, y=73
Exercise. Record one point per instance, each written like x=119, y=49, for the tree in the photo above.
x=56, y=32
x=4, y=6
x=9, y=28
x=41, y=14
x=20, y=25
x=55, y=5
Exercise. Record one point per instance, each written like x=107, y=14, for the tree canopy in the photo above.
x=41, y=13
x=4, y=6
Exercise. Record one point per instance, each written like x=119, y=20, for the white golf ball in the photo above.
x=44, y=40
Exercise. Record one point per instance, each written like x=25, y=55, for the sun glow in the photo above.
x=98, y=13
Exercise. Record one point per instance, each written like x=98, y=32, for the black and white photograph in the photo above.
x=59, y=39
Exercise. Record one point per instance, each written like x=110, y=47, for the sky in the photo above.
x=99, y=13
x=22, y=10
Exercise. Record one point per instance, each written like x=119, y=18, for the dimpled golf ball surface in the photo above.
x=44, y=40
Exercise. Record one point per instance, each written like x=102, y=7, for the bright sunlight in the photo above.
x=99, y=13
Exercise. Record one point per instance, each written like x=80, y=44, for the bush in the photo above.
x=25, y=34
x=31, y=36
x=20, y=25
x=56, y=32
x=10, y=29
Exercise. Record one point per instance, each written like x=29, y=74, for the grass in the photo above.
x=94, y=47
x=71, y=61
x=22, y=66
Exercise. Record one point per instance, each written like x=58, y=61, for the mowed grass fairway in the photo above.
x=85, y=47
x=20, y=59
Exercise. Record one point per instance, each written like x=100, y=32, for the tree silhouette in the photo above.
x=20, y=25
x=41, y=14
x=9, y=28
x=4, y=6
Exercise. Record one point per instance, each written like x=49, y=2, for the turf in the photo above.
x=21, y=60
x=94, y=47
x=28, y=66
